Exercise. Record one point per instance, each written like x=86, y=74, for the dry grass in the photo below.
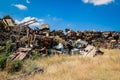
x=106, y=67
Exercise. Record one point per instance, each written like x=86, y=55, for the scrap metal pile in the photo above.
x=24, y=39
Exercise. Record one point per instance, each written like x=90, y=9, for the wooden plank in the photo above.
x=20, y=54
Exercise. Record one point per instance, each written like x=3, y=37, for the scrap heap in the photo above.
x=24, y=39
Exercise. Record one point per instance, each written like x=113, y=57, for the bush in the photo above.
x=35, y=54
x=3, y=59
x=2, y=48
x=8, y=47
x=16, y=66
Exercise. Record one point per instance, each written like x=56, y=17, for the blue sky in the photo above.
x=60, y=14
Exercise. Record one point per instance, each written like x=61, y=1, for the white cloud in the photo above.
x=98, y=2
x=27, y=1
x=20, y=6
x=37, y=24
